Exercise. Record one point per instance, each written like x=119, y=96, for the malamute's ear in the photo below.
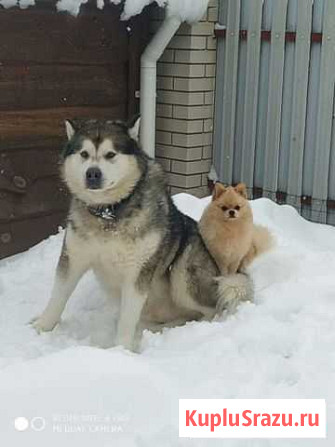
x=70, y=129
x=134, y=128
x=241, y=189
x=219, y=189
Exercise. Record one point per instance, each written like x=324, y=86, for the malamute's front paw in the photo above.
x=41, y=324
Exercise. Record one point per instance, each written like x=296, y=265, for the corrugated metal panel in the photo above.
x=251, y=94
x=331, y=187
x=299, y=103
x=262, y=114
x=324, y=119
x=291, y=25
x=275, y=129
x=241, y=89
x=277, y=57
x=227, y=123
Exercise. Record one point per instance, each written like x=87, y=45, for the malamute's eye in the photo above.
x=237, y=208
x=110, y=155
x=84, y=155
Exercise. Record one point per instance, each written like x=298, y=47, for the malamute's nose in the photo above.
x=93, y=178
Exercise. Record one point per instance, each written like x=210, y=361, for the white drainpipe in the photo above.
x=149, y=81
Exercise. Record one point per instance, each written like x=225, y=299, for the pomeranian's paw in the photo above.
x=41, y=324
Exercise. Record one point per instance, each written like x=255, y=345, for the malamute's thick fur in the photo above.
x=123, y=224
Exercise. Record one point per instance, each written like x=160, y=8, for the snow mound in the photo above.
x=281, y=346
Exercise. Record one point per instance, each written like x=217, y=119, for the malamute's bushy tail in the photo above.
x=233, y=290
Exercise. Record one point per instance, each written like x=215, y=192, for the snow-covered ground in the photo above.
x=282, y=346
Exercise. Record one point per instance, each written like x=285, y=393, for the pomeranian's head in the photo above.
x=231, y=201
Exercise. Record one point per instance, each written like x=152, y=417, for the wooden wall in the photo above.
x=52, y=67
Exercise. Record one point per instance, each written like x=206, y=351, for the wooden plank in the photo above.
x=46, y=195
x=44, y=36
x=299, y=105
x=20, y=169
x=25, y=86
x=271, y=155
x=30, y=183
x=251, y=93
x=26, y=126
x=230, y=89
x=325, y=115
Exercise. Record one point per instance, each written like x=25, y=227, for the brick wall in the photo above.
x=185, y=104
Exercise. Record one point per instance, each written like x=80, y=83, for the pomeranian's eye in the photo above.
x=237, y=208
x=84, y=155
x=224, y=208
x=110, y=155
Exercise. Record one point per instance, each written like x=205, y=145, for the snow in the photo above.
x=9, y=3
x=281, y=346
x=71, y=6
x=188, y=10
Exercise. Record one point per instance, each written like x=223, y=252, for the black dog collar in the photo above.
x=110, y=211
x=106, y=212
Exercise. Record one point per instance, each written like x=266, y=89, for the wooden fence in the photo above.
x=275, y=101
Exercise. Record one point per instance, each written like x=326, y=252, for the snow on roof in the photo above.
x=188, y=10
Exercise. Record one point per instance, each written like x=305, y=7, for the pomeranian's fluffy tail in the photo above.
x=262, y=240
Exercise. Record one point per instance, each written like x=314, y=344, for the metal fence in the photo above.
x=275, y=101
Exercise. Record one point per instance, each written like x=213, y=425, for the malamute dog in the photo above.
x=123, y=224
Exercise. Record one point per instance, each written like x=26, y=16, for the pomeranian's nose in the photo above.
x=231, y=213
x=93, y=178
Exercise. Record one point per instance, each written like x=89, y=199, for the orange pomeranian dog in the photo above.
x=228, y=231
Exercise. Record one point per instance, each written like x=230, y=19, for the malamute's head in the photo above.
x=102, y=161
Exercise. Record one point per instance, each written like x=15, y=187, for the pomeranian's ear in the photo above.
x=219, y=189
x=242, y=190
